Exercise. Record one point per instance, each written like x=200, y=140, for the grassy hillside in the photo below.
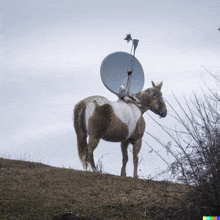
x=36, y=191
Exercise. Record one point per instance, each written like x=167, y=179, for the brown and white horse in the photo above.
x=120, y=121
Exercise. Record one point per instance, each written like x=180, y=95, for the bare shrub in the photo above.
x=196, y=152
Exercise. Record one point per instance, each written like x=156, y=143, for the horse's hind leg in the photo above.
x=92, y=144
x=136, y=149
x=124, y=149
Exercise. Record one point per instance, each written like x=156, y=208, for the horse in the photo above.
x=120, y=121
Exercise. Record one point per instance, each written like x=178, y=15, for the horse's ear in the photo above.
x=153, y=84
x=160, y=85
x=157, y=86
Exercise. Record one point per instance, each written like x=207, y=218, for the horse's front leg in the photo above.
x=136, y=148
x=124, y=149
x=92, y=144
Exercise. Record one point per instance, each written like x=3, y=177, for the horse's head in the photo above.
x=152, y=99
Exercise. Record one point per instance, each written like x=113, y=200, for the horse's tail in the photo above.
x=81, y=133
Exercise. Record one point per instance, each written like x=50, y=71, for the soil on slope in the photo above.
x=37, y=191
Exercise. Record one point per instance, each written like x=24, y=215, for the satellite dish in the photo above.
x=122, y=70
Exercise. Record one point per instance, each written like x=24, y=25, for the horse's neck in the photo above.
x=144, y=99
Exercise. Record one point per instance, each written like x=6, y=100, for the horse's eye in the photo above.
x=154, y=95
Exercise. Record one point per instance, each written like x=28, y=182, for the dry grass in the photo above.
x=36, y=191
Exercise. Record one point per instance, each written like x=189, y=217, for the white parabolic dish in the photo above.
x=114, y=72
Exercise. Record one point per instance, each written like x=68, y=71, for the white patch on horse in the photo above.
x=129, y=114
x=90, y=108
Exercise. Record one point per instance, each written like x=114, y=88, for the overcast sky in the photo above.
x=51, y=52
x=174, y=34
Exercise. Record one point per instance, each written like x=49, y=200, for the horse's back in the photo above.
x=100, y=100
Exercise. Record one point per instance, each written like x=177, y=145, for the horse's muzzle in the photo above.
x=163, y=113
